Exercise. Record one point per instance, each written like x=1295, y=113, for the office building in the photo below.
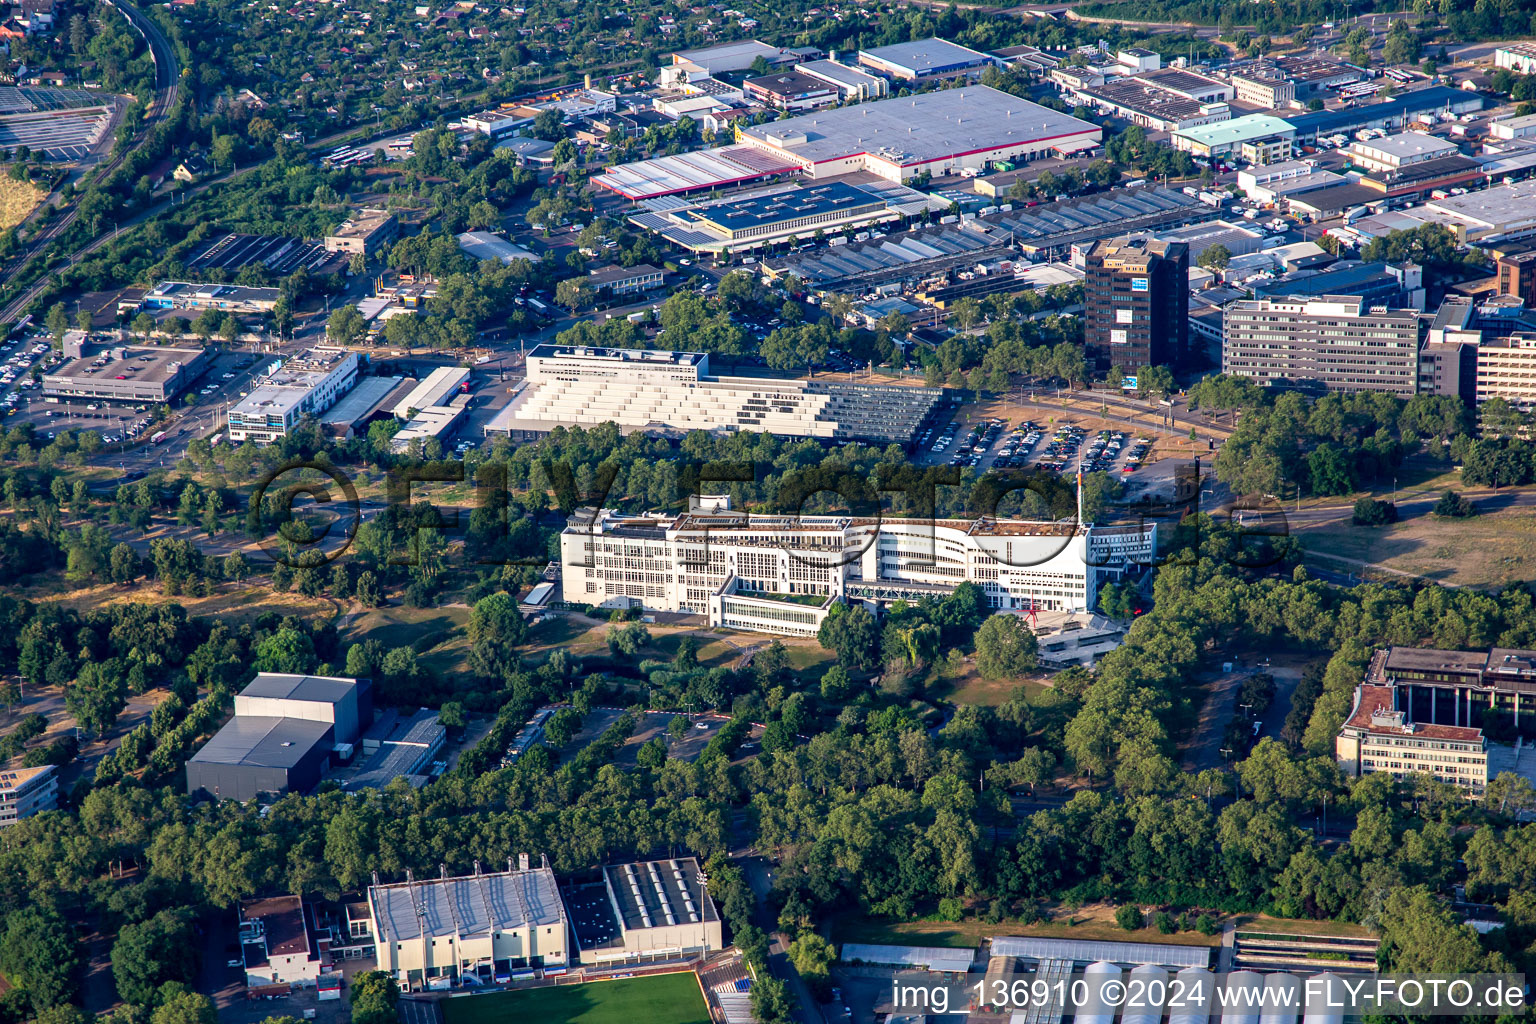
x=500, y=124
x=282, y=736
x=1136, y=299
x=306, y=385
x=1517, y=275
x=791, y=90
x=366, y=231
x=1448, y=357
x=650, y=910
x=1273, y=182
x=278, y=949
x=433, y=933
x=27, y=791
x=1380, y=737
x=230, y=298
x=926, y=60
x=1443, y=687
x=1264, y=85
x=1227, y=138
x=1395, y=152
x=1506, y=368
x=940, y=132
x=1337, y=342
x=127, y=373
x=640, y=278
x=674, y=391
x=783, y=574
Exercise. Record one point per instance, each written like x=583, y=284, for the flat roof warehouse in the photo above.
x=917, y=129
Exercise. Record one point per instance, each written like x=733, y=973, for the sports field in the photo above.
x=665, y=999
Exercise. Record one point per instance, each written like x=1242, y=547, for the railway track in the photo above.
x=167, y=90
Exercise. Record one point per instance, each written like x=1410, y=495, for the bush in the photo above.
x=1205, y=924
x=1129, y=917
x=1453, y=506
x=951, y=909
x=1165, y=923
x=1370, y=512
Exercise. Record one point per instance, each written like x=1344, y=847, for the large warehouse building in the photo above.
x=431, y=934
x=642, y=389
x=783, y=574
x=285, y=729
x=940, y=132
x=126, y=373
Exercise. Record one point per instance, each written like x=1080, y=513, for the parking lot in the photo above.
x=992, y=445
x=22, y=400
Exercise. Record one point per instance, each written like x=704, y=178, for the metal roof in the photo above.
x=466, y=905
x=926, y=55
x=261, y=742
x=1082, y=951
x=933, y=958
x=323, y=689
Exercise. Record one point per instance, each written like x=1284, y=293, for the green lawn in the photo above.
x=664, y=999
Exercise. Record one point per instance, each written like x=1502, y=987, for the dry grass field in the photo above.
x=17, y=199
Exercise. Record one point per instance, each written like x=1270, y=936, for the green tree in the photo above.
x=287, y=650
x=38, y=955
x=149, y=954
x=374, y=996
x=1215, y=258
x=345, y=325
x=1005, y=647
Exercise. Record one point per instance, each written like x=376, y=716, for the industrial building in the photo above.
x=1046, y=233
x=1519, y=57
x=1513, y=127
x=366, y=231
x=651, y=910
x=940, y=132
x=1136, y=302
x=687, y=66
x=126, y=373
x=365, y=402
x=1275, y=182
x=1227, y=138
x=1378, y=736
x=433, y=933
x=783, y=574
x=1393, y=114
x=1338, y=342
x=780, y=213
x=852, y=85
x=484, y=245
x=1395, y=152
x=435, y=421
x=1237, y=239
x=674, y=391
x=1140, y=102
x=27, y=791
x=278, y=949
x=231, y=298
x=305, y=385
x=397, y=746
x=926, y=60
x=791, y=90
x=282, y=736
x=435, y=389
x=698, y=171
x=1379, y=284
